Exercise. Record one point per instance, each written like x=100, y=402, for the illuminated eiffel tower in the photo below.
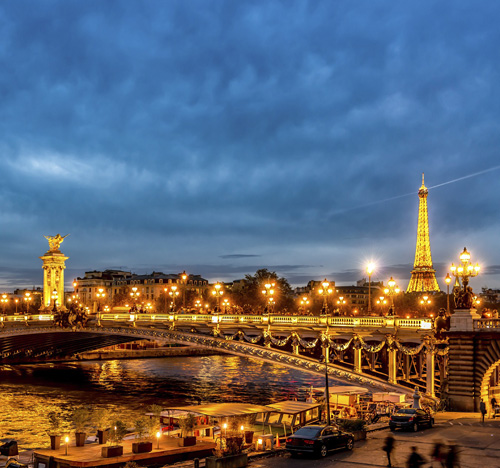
x=423, y=276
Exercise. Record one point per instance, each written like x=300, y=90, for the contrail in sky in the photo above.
x=340, y=211
x=466, y=177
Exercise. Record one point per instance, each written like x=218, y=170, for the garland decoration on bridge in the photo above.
x=276, y=341
x=306, y=344
x=370, y=348
x=250, y=339
x=409, y=350
x=336, y=346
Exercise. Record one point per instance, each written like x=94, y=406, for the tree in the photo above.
x=249, y=294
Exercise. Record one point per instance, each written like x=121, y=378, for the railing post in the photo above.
x=392, y=365
x=326, y=353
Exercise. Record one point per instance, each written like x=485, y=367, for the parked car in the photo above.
x=410, y=418
x=318, y=440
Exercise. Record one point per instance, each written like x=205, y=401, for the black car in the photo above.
x=318, y=440
x=410, y=418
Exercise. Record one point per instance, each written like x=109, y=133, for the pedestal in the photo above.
x=463, y=320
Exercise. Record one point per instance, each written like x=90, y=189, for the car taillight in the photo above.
x=390, y=418
x=308, y=442
x=411, y=419
x=288, y=440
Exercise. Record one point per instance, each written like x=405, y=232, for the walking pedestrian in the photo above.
x=388, y=447
x=437, y=454
x=452, y=457
x=482, y=409
x=415, y=460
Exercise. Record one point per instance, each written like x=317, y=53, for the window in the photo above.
x=274, y=418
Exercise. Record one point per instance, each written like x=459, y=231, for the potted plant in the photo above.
x=143, y=428
x=81, y=421
x=101, y=418
x=229, y=455
x=116, y=435
x=357, y=427
x=187, y=424
x=54, y=430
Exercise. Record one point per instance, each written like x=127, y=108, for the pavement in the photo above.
x=478, y=446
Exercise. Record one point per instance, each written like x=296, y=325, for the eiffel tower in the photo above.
x=423, y=276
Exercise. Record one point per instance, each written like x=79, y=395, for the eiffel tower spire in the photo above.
x=423, y=276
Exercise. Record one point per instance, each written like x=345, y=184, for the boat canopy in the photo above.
x=343, y=389
x=293, y=407
x=223, y=410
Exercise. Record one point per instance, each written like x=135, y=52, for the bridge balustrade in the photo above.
x=487, y=324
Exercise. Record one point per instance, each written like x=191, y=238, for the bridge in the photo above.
x=382, y=353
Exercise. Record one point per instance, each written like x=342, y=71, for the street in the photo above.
x=478, y=446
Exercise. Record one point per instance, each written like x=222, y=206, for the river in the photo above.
x=28, y=392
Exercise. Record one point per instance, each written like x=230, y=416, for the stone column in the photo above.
x=53, y=278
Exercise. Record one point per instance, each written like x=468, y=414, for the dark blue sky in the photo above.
x=219, y=137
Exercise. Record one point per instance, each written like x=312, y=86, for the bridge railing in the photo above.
x=280, y=320
x=487, y=324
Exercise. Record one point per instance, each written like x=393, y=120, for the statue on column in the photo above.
x=55, y=242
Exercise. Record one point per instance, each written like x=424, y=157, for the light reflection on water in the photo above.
x=28, y=392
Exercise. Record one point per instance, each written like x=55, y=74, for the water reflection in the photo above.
x=29, y=392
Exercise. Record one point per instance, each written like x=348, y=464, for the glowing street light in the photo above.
x=424, y=302
x=28, y=299
x=184, y=277
x=4, y=300
x=100, y=295
x=391, y=291
x=325, y=291
x=304, y=302
x=217, y=292
x=369, y=270
x=464, y=271
x=225, y=303
x=268, y=293
x=173, y=294
x=341, y=302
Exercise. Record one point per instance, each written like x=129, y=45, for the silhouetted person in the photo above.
x=388, y=448
x=437, y=454
x=452, y=457
x=415, y=460
x=482, y=409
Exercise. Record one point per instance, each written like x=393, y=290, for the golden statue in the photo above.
x=55, y=242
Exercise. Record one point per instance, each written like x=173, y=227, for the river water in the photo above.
x=28, y=392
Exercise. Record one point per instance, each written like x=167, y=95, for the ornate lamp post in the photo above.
x=16, y=300
x=225, y=303
x=100, y=295
x=341, y=302
x=325, y=291
x=217, y=292
x=54, y=299
x=327, y=391
x=197, y=305
x=304, y=302
x=135, y=295
x=424, y=302
x=369, y=270
x=173, y=294
x=4, y=302
x=465, y=271
x=184, y=277
x=447, y=280
x=391, y=291
x=268, y=293
x=27, y=298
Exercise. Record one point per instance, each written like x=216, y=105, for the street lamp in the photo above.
x=54, y=299
x=28, y=299
x=341, y=302
x=369, y=270
x=304, y=302
x=447, y=280
x=16, y=300
x=197, y=305
x=268, y=293
x=217, y=292
x=100, y=295
x=184, y=277
x=4, y=302
x=465, y=271
x=173, y=294
x=391, y=291
x=325, y=292
x=225, y=303
x=424, y=302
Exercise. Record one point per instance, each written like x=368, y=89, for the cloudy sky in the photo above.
x=219, y=137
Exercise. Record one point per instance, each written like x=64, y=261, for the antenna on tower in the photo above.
x=423, y=178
